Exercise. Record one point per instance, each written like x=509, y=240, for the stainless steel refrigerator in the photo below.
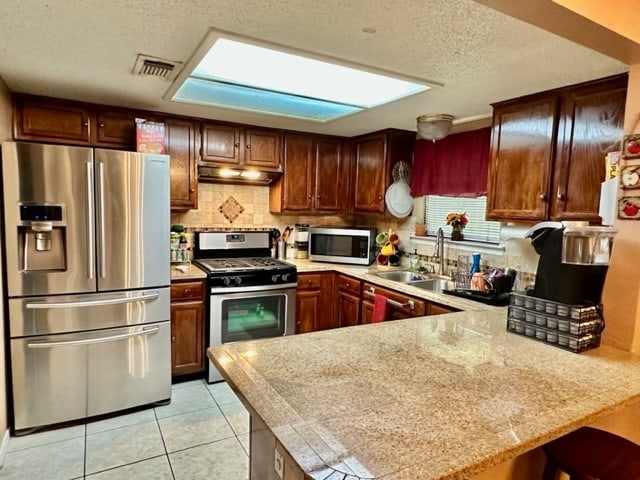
x=87, y=268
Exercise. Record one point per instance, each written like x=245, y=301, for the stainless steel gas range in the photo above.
x=251, y=295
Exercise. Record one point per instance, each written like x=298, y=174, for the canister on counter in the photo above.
x=302, y=250
x=302, y=233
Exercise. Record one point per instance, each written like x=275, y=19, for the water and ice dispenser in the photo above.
x=42, y=237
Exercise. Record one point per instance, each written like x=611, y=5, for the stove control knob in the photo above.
x=285, y=277
x=237, y=280
x=274, y=278
x=226, y=281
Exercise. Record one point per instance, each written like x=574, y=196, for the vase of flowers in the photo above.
x=457, y=221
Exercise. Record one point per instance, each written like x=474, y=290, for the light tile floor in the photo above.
x=202, y=433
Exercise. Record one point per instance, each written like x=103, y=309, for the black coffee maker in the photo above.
x=573, y=262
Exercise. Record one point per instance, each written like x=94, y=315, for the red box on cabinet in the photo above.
x=149, y=136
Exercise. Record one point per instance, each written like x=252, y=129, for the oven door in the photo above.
x=249, y=313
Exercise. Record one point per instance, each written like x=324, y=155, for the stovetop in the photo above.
x=241, y=264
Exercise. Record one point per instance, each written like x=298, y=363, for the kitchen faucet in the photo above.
x=439, y=251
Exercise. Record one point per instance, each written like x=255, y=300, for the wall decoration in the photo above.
x=631, y=146
x=231, y=209
x=629, y=208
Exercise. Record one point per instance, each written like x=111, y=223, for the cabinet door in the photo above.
x=522, y=149
x=48, y=120
x=297, y=181
x=307, y=309
x=331, y=176
x=187, y=337
x=262, y=149
x=348, y=311
x=221, y=144
x=182, y=144
x=366, y=312
x=116, y=129
x=591, y=122
x=370, y=173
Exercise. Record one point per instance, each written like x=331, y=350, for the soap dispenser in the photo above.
x=413, y=260
x=475, y=263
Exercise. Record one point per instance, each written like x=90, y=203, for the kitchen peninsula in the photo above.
x=441, y=397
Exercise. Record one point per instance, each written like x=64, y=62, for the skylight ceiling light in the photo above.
x=244, y=76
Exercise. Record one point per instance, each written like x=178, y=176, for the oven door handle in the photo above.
x=256, y=288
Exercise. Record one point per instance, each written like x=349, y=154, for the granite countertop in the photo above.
x=439, y=397
x=192, y=273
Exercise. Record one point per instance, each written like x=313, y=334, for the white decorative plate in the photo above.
x=399, y=200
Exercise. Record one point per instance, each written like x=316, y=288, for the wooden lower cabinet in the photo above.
x=187, y=327
x=313, y=302
x=347, y=294
x=399, y=305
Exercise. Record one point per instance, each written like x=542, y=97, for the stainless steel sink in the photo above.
x=433, y=284
x=403, y=276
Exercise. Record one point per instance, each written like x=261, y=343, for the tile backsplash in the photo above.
x=252, y=211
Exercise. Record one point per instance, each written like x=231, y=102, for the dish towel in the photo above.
x=379, y=308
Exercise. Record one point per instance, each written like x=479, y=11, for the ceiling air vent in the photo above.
x=155, y=67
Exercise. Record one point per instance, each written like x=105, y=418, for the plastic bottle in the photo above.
x=413, y=260
x=475, y=263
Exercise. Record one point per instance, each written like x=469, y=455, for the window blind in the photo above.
x=478, y=229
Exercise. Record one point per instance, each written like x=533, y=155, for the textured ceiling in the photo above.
x=85, y=50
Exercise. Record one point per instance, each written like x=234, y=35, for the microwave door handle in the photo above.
x=101, y=227
x=99, y=339
x=91, y=239
x=93, y=303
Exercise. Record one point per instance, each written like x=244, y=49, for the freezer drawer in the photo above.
x=58, y=378
x=76, y=313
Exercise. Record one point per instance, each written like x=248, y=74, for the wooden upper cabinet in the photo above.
x=181, y=137
x=316, y=176
x=522, y=149
x=116, y=129
x=262, y=149
x=234, y=146
x=374, y=158
x=548, y=150
x=50, y=120
x=369, y=179
x=331, y=176
x=221, y=144
x=591, y=125
x=297, y=181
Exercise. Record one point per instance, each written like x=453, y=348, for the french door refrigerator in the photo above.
x=87, y=281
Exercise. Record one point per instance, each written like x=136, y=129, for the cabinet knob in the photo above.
x=309, y=282
x=346, y=285
x=86, y=124
x=298, y=323
x=310, y=196
x=248, y=145
x=236, y=145
x=543, y=197
x=561, y=197
x=173, y=339
x=192, y=190
x=380, y=198
x=101, y=125
x=187, y=291
x=318, y=197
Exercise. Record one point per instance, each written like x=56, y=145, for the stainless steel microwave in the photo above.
x=353, y=245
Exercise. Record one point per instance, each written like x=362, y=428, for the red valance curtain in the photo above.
x=456, y=166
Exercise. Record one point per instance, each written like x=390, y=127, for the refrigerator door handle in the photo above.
x=91, y=239
x=101, y=225
x=93, y=303
x=98, y=339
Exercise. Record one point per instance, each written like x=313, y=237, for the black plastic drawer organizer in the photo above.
x=572, y=327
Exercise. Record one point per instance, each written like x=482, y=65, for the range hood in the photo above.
x=238, y=176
